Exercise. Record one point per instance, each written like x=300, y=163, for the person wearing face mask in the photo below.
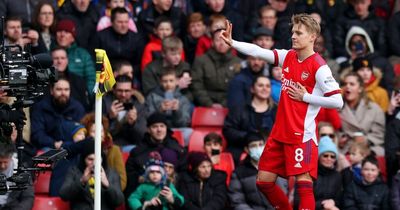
x=243, y=193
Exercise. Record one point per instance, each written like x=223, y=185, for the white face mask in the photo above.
x=255, y=152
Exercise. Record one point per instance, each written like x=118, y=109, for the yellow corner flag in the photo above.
x=104, y=77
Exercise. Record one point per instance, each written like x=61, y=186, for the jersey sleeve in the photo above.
x=326, y=82
x=279, y=57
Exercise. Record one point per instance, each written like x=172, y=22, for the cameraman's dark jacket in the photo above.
x=19, y=200
x=46, y=121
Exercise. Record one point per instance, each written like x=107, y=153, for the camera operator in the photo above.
x=126, y=114
x=16, y=116
x=15, y=199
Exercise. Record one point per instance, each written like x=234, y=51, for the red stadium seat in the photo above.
x=211, y=118
x=49, y=203
x=42, y=183
x=178, y=135
x=397, y=69
x=196, y=140
x=382, y=166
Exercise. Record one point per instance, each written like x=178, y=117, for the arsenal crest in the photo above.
x=305, y=75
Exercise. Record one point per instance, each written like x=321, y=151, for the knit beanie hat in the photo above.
x=196, y=158
x=156, y=118
x=155, y=164
x=169, y=156
x=71, y=128
x=361, y=62
x=326, y=145
x=67, y=25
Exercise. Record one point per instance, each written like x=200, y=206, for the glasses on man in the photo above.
x=329, y=156
x=331, y=135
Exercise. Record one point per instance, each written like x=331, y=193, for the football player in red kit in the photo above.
x=307, y=85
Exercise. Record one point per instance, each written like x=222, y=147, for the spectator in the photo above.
x=112, y=152
x=282, y=32
x=212, y=73
x=243, y=192
x=15, y=199
x=276, y=83
x=239, y=89
x=48, y=115
x=358, y=43
x=170, y=159
x=196, y=28
x=360, y=14
x=328, y=186
x=126, y=114
x=394, y=34
x=15, y=36
x=202, y=187
x=23, y=9
x=371, y=77
x=320, y=47
x=157, y=137
x=257, y=116
x=105, y=21
x=263, y=37
x=119, y=41
x=359, y=114
x=162, y=29
x=172, y=49
x=395, y=190
x=267, y=17
x=44, y=22
x=168, y=100
x=325, y=32
x=371, y=192
x=124, y=67
x=157, y=8
x=358, y=152
x=84, y=15
x=78, y=187
x=79, y=59
x=215, y=22
x=78, y=84
x=155, y=191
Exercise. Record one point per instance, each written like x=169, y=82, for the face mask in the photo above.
x=255, y=153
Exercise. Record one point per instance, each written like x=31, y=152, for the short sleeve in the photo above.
x=326, y=82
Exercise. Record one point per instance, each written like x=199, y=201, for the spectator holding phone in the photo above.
x=156, y=191
x=168, y=99
x=126, y=114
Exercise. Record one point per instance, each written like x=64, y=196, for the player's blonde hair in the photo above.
x=306, y=20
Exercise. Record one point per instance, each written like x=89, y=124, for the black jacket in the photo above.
x=394, y=34
x=212, y=196
x=392, y=145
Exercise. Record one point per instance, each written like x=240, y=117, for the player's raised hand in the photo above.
x=296, y=91
x=226, y=34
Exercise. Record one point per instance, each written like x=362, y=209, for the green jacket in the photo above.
x=147, y=191
x=211, y=74
x=80, y=62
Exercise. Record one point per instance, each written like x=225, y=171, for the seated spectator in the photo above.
x=112, y=152
x=78, y=84
x=371, y=77
x=201, y=186
x=126, y=114
x=328, y=186
x=212, y=73
x=79, y=60
x=358, y=152
x=266, y=18
x=325, y=31
x=243, y=192
x=395, y=190
x=48, y=115
x=18, y=9
x=168, y=100
x=44, y=22
x=263, y=37
x=157, y=137
x=369, y=193
x=152, y=51
x=105, y=21
x=213, y=148
x=256, y=116
x=15, y=199
x=359, y=114
x=78, y=187
x=120, y=42
x=170, y=159
x=276, y=83
x=171, y=53
x=239, y=87
x=124, y=67
x=196, y=28
x=215, y=22
x=156, y=191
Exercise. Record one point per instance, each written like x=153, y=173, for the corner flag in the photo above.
x=105, y=79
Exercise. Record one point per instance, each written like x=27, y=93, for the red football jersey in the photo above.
x=295, y=120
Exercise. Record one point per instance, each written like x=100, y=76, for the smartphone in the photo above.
x=169, y=95
x=215, y=152
x=359, y=47
x=128, y=106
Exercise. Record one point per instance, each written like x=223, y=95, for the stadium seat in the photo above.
x=196, y=140
x=49, y=203
x=42, y=183
x=210, y=118
x=178, y=135
x=397, y=69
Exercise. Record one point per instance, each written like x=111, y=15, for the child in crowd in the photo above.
x=155, y=191
x=124, y=67
x=105, y=21
x=162, y=28
x=216, y=22
x=358, y=151
x=168, y=100
x=196, y=28
x=170, y=159
x=370, y=192
x=276, y=76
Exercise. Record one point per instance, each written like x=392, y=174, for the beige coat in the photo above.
x=367, y=118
